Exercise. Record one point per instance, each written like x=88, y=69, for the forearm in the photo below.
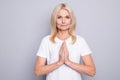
x=42, y=70
x=81, y=68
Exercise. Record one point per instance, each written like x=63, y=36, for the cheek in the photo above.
x=58, y=21
x=68, y=21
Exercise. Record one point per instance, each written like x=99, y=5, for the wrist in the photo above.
x=59, y=63
x=68, y=62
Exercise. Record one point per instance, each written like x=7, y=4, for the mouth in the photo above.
x=63, y=25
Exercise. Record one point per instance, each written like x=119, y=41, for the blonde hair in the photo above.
x=53, y=22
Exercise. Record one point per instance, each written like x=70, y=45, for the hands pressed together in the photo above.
x=63, y=54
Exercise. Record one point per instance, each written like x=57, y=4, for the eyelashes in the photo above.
x=59, y=17
x=67, y=17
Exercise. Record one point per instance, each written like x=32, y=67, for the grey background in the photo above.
x=23, y=23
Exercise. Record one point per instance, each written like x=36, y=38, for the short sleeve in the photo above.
x=43, y=50
x=85, y=50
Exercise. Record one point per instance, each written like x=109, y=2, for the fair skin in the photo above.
x=63, y=24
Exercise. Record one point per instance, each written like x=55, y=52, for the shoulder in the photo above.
x=81, y=41
x=79, y=38
x=46, y=38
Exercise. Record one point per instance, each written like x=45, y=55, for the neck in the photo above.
x=63, y=35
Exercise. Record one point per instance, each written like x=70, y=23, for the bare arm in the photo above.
x=42, y=69
x=87, y=67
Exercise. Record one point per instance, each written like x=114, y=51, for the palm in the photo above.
x=63, y=53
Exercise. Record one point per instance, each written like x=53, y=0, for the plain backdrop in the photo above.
x=23, y=23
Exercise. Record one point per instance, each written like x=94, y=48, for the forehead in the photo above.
x=63, y=12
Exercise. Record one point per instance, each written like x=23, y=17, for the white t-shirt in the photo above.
x=50, y=51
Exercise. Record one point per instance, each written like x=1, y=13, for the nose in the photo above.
x=63, y=20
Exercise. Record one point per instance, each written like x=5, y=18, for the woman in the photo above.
x=60, y=53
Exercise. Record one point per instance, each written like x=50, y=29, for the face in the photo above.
x=63, y=20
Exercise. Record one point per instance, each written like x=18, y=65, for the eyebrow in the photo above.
x=65, y=15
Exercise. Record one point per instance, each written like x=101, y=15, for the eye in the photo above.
x=67, y=17
x=59, y=17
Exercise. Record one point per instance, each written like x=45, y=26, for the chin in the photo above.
x=64, y=29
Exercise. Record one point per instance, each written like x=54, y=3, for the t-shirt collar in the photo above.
x=68, y=40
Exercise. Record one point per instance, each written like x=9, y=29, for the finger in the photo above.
x=65, y=46
x=63, y=43
x=62, y=46
x=66, y=50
